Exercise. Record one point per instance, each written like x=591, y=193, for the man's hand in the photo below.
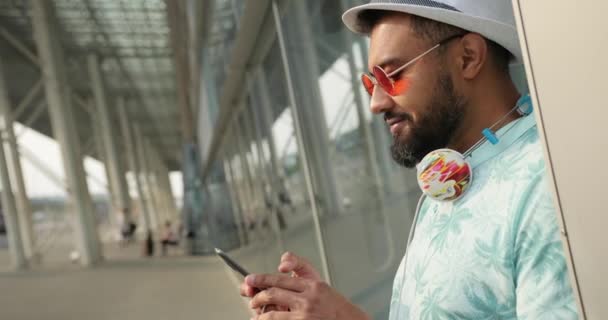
x=313, y=298
x=305, y=299
x=290, y=263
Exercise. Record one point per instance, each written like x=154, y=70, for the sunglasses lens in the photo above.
x=400, y=87
x=368, y=84
x=393, y=88
x=383, y=80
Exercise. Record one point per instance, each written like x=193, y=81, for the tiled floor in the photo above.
x=124, y=287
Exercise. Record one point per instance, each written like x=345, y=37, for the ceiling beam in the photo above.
x=20, y=47
x=180, y=44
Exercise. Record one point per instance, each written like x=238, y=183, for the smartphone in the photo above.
x=231, y=263
x=236, y=267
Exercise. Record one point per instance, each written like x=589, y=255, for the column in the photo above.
x=380, y=136
x=305, y=76
x=24, y=211
x=64, y=130
x=236, y=208
x=9, y=211
x=299, y=134
x=267, y=121
x=113, y=162
x=133, y=163
x=152, y=157
x=257, y=176
x=271, y=189
x=165, y=185
x=144, y=178
x=236, y=182
x=101, y=156
x=247, y=178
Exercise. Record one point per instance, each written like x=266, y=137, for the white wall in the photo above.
x=566, y=55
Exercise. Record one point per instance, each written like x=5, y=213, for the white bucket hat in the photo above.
x=493, y=19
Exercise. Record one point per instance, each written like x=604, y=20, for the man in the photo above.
x=495, y=253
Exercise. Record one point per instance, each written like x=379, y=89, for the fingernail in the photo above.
x=250, y=280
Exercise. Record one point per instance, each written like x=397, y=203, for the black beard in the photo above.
x=435, y=128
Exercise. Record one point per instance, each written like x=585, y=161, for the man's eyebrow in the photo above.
x=395, y=61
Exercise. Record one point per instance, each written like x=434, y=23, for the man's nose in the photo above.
x=381, y=101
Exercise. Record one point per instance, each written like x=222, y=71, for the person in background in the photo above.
x=168, y=238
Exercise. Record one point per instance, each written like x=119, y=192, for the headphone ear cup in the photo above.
x=444, y=175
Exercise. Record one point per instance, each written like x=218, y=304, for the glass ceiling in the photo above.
x=132, y=39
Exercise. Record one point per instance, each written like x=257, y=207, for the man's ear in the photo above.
x=474, y=55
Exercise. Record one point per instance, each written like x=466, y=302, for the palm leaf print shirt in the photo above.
x=496, y=253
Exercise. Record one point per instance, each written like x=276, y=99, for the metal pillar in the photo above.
x=158, y=199
x=133, y=163
x=98, y=148
x=246, y=181
x=24, y=211
x=20, y=47
x=114, y=167
x=380, y=134
x=262, y=115
x=257, y=180
x=144, y=178
x=267, y=121
x=18, y=259
x=152, y=158
x=39, y=109
x=239, y=198
x=252, y=175
x=305, y=78
x=27, y=100
x=299, y=137
x=366, y=135
x=63, y=123
x=165, y=184
x=236, y=205
x=264, y=167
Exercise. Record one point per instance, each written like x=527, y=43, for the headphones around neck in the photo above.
x=445, y=174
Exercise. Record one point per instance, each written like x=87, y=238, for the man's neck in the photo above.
x=483, y=110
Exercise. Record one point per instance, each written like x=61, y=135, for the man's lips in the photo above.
x=396, y=124
x=394, y=120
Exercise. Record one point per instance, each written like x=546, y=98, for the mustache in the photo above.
x=392, y=115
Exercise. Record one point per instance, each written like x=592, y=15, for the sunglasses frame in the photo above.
x=386, y=81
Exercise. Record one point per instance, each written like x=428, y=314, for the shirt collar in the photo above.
x=507, y=135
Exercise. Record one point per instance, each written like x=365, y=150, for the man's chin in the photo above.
x=403, y=138
x=402, y=154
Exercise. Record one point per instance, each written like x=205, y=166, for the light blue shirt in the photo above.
x=496, y=253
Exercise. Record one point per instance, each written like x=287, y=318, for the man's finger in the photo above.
x=298, y=265
x=247, y=290
x=276, y=281
x=274, y=297
x=274, y=315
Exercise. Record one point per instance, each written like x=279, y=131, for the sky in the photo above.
x=335, y=86
x=43, y=170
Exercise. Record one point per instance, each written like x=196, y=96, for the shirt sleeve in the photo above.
x=543, y=289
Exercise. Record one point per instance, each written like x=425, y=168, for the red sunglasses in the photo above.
x=387, y=83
